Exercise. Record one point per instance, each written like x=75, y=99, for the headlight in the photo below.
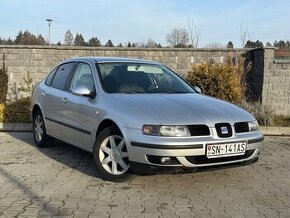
x=253, y=126
x=174, y=131
x=178, y=131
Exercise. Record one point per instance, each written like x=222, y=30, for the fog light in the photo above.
x=165, y=160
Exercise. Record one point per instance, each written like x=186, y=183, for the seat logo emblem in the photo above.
x=224, y=130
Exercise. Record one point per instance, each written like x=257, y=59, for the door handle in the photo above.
x=64, y=100
x=42, y=93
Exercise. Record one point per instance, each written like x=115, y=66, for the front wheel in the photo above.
x=111, y=155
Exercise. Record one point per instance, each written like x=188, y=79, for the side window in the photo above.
x=61, y=76
x=50, y=77
x=83, y=77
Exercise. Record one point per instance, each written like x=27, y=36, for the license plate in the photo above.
x=226, y=149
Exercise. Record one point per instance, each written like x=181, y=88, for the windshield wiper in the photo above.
x=133, y=92
x=175, y=92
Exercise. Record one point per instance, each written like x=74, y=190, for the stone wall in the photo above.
x=39, y=60
x=276, y=88
x=270, y=79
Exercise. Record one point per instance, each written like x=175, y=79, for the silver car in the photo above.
x=134, y=114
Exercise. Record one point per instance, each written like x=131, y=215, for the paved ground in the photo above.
x=61, y=181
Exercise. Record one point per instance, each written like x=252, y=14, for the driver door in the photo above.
x=81, y=110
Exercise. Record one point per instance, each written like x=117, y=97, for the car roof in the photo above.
x=112, y=59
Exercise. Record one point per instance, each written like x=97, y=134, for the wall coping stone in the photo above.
x=281, y=61
x=120, y=48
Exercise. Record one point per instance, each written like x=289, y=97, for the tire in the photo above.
x=39, y=131
x=111, y=155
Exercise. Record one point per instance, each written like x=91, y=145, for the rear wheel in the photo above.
x=111, y=155
x=39, y=131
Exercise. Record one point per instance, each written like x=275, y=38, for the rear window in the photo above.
x=50, y=77
x=61, y=76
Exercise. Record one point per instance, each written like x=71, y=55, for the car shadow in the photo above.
x=64, y=153
x=83, y=162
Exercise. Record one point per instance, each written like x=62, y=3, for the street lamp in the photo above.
x=49, y=23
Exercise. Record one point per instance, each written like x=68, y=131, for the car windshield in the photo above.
x=140, y=78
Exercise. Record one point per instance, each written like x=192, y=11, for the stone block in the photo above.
x=275, y=93
x=277, y=79
x=283, y=86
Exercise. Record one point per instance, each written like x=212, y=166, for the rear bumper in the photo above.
x=189, y=152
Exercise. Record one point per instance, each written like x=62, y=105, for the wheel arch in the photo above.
x=35, y=108
x=105, y=124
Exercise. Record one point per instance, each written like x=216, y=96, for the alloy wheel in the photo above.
x=113, y=155
x=38, y=128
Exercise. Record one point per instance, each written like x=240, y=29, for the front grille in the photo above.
x=198, y=130
x=241, y=127
x=204, y=160
x=224, y=130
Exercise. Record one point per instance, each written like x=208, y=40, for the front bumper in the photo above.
x=186, y=151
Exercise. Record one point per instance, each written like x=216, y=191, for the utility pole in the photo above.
x=49, y=24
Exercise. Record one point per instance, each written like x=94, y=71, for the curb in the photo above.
x=275, y=131
x=15, y=127
x=27, y=127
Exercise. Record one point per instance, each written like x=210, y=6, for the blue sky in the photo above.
x=219, y=21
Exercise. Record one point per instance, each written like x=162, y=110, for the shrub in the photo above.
x=217, y=80
x=263, y=113
x=3, y=83
x=17, y=112
x=2, y=110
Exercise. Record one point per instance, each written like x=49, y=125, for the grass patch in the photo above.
x=280, y=120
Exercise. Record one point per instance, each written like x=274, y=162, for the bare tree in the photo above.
x=214, y=45
x=68, y=38
x=178, y=37
x=193, y=32
x=244, y=36
x=151, y=44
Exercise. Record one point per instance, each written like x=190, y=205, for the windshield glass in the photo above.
x=140, y=78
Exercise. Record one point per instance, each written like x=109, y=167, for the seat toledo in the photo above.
x=130, y=113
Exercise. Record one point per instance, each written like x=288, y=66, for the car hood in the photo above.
x=185, y=109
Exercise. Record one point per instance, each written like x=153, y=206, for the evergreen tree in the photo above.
x=18, y=38
x=129, y=44
x=109, y=43
x=40, y=40
x=94, y=41
x=281, y=44
x=288, y=44
x=230, y=44
x=79, y=40
x=9, y=42
x=252, y=44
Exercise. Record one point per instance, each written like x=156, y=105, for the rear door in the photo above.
x=54, y=99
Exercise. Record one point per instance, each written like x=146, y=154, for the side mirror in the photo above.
x=83, y=91
x=197, y=89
